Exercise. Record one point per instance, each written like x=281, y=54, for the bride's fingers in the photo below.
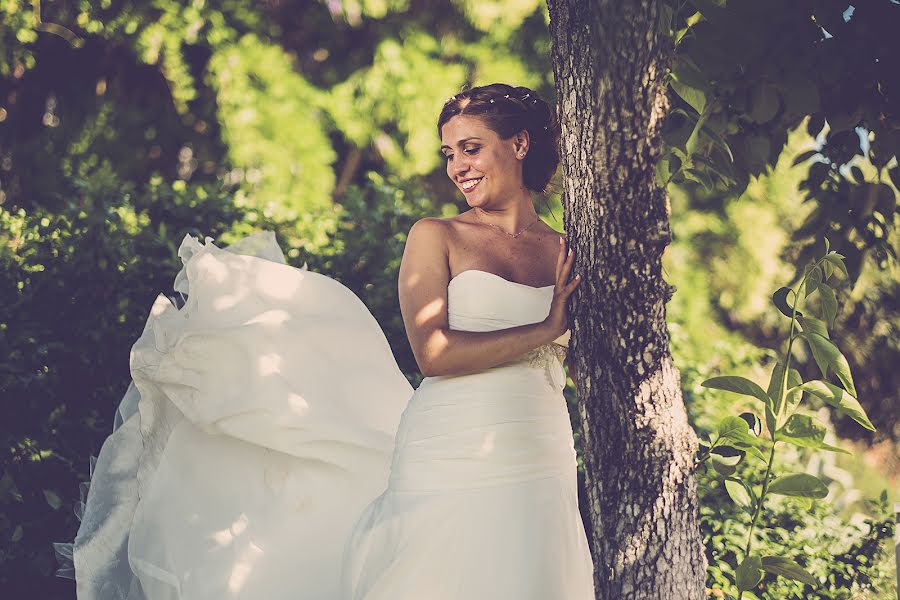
x=574, y=283
x=560, y=259
x=570, y=285
x=567, y=267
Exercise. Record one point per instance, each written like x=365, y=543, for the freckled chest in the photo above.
x=529, y=258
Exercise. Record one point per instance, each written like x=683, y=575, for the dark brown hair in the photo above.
x=507, y=110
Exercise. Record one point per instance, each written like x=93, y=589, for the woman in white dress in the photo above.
x=269, y=447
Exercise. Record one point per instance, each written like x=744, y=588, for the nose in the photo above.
x=458, y=166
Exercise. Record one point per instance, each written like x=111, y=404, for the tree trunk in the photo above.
x=610, y=62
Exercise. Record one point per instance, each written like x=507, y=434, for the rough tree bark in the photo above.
x=610, y=61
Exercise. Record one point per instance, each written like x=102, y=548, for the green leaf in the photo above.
x=722, y=468
x=752, y=450
x=829, y=303
x=813, y=279
x=813, y=325
x=721, y=143
x=8, y=489
x=662, y=171
x=694, y=139
x=771, y=421
x=819, y=351
x=52, y=499
x=827, y=356
x=764, y=101
x=840, y=399
x=740, y=493
x=749, y=573
x=754, y=425
x=786, y=567
x=774, y=389
x=780, y=298
x=804, y=431
x=799, y=484
x=728, y=454
x=699, y=176
x=735, y=428
x=738, y=385
x=689, y=83
x=837, y=260
x=725, y=459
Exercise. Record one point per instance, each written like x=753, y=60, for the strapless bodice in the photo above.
x=483, y=301
x=479, y=301
x=503, y=424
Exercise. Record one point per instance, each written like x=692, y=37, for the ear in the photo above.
x=521, y=143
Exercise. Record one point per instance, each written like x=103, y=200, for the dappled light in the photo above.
x=206, y=374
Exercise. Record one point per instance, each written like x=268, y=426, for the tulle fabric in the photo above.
x=259, y=423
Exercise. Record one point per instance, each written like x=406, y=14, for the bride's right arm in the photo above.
x=422, y=287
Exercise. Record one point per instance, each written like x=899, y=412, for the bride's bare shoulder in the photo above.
x=438, y=231
x=439, y=237
x=430, y=231
x=426, y=246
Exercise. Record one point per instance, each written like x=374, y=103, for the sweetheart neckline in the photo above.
x=501, y=278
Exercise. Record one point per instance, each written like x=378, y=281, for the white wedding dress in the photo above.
x=270, y=448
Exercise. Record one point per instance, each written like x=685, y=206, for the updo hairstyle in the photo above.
x=507, y=110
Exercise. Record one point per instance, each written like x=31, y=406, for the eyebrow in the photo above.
x=461, y=142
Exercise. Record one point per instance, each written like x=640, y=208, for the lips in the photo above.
x=469, y=190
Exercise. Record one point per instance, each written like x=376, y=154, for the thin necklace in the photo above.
x=513, y=235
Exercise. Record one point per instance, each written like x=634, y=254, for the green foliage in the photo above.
x=270, y=121
x=747, y=72
x=848, y=559
x=406, y=81
x=727, y=256
x=733, y=440
x=500, y=18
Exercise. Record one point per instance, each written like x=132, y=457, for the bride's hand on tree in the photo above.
x=558, y=319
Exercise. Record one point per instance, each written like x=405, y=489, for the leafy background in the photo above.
x=126, y=125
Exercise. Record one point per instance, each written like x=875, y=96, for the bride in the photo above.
x=269, y=447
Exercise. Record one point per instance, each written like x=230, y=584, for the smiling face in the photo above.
x=473, y=152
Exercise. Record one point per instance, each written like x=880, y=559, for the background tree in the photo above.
x=638, y=446
x=610, y=113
